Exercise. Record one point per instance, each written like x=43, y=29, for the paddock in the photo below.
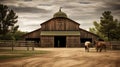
x=67, y=57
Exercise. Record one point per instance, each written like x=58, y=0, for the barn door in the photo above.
x=60, y=41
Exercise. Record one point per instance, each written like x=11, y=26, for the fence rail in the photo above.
x=8, y=43
x=13, y=44
x=115, y=44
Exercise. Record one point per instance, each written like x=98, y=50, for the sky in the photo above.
x=31, y=13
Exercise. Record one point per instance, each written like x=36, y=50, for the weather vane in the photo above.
x=60, y=9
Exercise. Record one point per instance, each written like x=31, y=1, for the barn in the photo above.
x=60, y=31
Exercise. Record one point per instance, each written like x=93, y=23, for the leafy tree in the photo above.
x=8, y=19
x=19, y=35
x=108, y=28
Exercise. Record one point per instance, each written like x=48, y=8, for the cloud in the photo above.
x=45, y=5
x=28, y=9
x=82, y=11
x=27, y=0
x=84, y=2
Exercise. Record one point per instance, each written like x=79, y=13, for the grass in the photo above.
x=8, y=54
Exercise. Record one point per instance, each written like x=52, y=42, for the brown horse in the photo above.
x=100, y=45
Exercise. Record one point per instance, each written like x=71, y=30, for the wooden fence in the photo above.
x=27, y=44
x=115, y=45
x=13, y=44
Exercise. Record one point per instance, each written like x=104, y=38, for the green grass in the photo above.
x=8, y=54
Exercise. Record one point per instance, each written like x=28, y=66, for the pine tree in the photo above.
x=108, y=27
x=8, y=19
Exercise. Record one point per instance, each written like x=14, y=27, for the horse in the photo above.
x=87, y=44
x=100, y=45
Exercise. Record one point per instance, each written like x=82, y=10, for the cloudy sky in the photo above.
x=34, y=12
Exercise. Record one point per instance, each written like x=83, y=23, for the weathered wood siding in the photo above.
x=47, y=41
x=73, y=41
x=60, y=24
x=34, y=34
x=86, y=34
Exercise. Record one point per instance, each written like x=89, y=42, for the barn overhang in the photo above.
x=60, y=33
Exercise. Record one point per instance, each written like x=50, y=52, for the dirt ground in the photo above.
x=67, y=57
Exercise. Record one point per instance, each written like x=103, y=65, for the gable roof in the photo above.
x=31, y=32
x=58, y=18
x=88, y=32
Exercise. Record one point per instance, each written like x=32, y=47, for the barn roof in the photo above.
x=31, y=32
x=58, y=18
x=89, y=32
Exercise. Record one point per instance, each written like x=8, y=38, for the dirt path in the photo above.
x=68, y=57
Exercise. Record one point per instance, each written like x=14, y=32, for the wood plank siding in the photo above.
x=33, y=34
x=47, y=41
x=73, y=41
x=60, y=24
x=60, y=29
x=88, y=35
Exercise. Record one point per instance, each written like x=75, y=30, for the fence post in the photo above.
x=33, y=45
x=27, y=45
x=111, y=45
x=12, y=45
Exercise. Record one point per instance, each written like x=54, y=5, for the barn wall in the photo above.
x=47, y=41
x=72, y=41
x=60, y=24
x=86, y=34
x=35, y=34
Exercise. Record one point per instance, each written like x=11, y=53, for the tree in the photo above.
x=8, y=19
x=108, y=27
x=116, y=31
x=19, y=35
x=96, y=29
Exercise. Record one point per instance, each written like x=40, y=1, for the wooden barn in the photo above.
x=60, y=31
